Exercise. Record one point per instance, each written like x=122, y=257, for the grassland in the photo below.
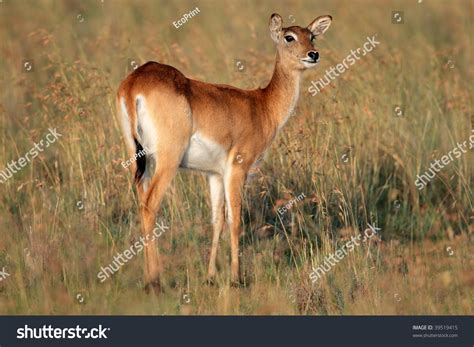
x=69, y=211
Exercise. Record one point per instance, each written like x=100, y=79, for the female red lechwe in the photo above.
x=216, y=129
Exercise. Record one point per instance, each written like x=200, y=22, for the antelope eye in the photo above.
x=312, y=38
x=289, y=38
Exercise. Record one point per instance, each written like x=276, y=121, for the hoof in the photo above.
x=237, y=284
x=153, y=287
x=210, y=281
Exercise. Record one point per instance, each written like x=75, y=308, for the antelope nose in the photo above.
x=313, y=55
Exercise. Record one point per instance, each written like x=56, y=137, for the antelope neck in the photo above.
x=281, y=93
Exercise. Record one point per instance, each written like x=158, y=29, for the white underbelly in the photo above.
x=204, y=155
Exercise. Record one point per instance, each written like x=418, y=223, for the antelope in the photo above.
x=216, y=129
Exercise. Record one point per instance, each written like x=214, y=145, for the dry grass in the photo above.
x=53, y=249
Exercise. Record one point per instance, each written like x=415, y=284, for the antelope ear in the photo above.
x=275, y=26
x=320, y=25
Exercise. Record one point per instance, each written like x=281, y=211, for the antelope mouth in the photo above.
x=310, y=61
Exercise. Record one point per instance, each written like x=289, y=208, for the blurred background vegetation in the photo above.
x=73, y=208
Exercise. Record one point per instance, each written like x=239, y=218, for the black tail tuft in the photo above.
x=141, y=162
